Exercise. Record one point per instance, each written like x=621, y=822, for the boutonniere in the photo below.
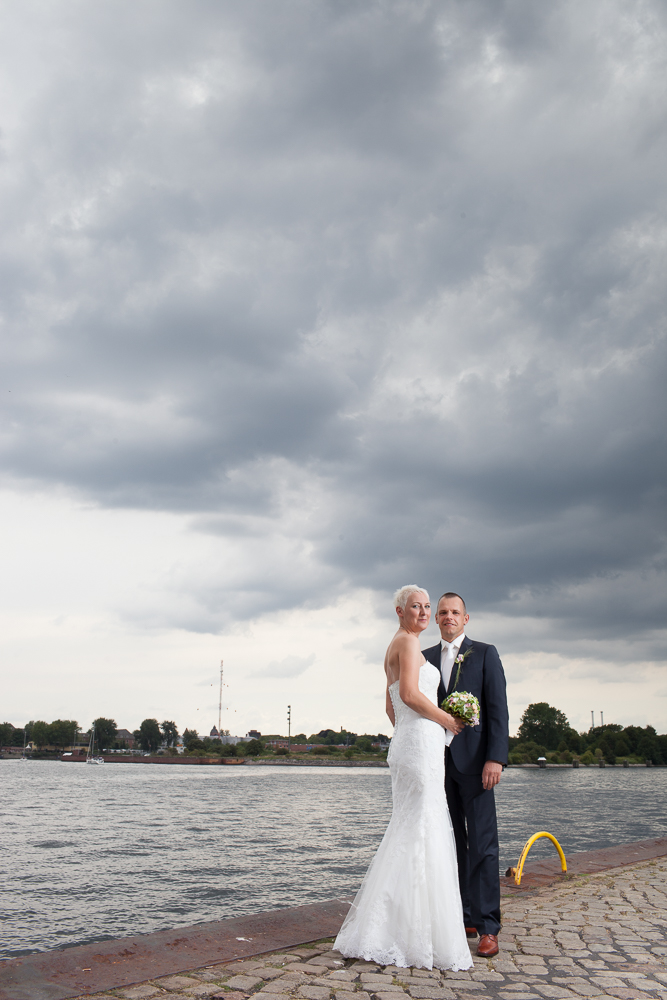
x=460, y=659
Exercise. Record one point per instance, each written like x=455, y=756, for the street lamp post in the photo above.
x=289, y=727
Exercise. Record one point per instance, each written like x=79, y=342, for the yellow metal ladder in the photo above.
x=517, y=872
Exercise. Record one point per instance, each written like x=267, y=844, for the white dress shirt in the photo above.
x=449, y=652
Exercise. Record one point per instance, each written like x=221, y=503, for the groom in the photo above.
x=473, y=766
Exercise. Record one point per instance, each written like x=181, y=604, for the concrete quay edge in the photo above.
x=91, y=968
x=537, y=874
x=105, y=965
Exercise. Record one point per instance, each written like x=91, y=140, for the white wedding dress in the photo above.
x=408, y=909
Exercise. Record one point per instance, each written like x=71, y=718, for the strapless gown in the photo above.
x=408, y=910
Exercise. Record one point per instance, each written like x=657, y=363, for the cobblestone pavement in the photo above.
x=596, y=936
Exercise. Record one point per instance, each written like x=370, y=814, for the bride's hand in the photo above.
x=453, y=724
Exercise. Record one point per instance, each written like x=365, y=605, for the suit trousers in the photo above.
x=473, y=812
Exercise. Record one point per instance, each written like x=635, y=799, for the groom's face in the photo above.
x=451, y=617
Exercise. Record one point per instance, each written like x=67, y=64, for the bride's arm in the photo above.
x=410, y=659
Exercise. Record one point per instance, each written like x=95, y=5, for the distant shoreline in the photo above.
x=222, y=761
x=294, y=762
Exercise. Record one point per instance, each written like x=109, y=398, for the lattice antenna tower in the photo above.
x=220, y=702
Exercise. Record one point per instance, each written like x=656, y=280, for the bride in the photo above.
x=408, y=910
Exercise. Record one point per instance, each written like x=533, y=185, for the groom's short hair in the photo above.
x=450, y=593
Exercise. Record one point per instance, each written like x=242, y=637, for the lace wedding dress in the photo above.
x=408, y=909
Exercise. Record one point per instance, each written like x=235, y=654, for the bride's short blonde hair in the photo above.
x=401, y=596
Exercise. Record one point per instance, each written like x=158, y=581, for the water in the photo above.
x=95, y=853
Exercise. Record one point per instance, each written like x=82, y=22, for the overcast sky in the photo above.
x=305, y=301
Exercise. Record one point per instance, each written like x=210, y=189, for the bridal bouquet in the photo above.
x=462, y=704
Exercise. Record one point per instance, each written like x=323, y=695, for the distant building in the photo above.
x=253, y=735
x=126, y=737
x=214, y=734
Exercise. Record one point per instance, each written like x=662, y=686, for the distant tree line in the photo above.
x=59, y=733
x=545, y=732
x=325, y=743
x=152, y=735
x=66, y=732
x=331, y=737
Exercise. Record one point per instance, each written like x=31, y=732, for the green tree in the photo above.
x=19, y=735
x=324, y=738
x=188, y=736
x=6, y=734
x=105, y=733
x=364, y=744
x=607, y=747
x=345, y=737
x=40, y=733
x=327, y=737
x=648, y=747
x=62, y=732
x=150, y=736
x=253, y=748
x=527, y=753
x=541, y=723
x=170, y=733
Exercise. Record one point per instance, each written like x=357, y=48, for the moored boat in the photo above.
x=90, y=756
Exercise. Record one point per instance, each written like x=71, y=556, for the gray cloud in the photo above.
x=373, y=293
x=289, y=666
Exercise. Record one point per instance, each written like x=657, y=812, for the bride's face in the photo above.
x=417, y=613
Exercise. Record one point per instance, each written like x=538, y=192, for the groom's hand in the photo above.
x=491, y=774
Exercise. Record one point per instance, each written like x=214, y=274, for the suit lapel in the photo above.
x=465, y=645
x=433, y=656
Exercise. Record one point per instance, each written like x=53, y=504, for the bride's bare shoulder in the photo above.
x=406, y=639
x=401, y=643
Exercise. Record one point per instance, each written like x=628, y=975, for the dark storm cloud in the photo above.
x=376, y=292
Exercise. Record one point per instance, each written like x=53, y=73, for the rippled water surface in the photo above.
x=93, y=853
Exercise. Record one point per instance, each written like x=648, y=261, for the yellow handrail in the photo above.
x=529, y=843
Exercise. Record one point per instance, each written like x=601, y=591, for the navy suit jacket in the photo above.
x=482, y=675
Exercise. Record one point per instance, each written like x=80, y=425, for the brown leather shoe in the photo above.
x=471, y=932
x=488, y=945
